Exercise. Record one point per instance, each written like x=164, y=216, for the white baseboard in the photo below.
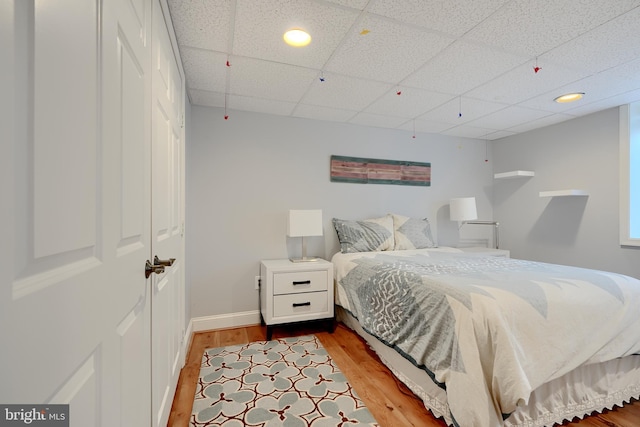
x=224, y=321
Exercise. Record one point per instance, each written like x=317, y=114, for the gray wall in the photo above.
x=581, y=231
x=244, y=174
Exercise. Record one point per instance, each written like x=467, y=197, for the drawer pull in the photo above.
x=301, y=304
x=302, y=282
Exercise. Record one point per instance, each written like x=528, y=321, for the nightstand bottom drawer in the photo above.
x=300, y=304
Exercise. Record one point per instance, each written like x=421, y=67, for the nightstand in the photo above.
x=295, y=292
x=487, y=252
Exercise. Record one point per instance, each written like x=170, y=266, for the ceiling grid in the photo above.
x=445, y=57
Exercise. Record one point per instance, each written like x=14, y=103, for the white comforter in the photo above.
x=490, y=330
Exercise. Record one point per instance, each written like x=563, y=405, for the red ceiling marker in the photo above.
x=536, y=68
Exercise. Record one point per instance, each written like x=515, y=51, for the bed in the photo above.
x=488, y=341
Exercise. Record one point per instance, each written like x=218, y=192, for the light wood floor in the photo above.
x=390, y=402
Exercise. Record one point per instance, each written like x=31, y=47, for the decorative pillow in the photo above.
x=364, y=236
x=412, y=233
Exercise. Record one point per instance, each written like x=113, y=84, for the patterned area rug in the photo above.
x=290, y=382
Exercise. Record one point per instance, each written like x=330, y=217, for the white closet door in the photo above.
x=74, y=301
x=167, y=221
x=126, y=61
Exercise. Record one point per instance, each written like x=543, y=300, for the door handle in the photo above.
x=163, y=262
x=150, y=268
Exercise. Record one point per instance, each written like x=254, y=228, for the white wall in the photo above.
x=582, y=231
x=244, y=174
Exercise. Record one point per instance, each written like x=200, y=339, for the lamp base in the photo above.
x=304, y=259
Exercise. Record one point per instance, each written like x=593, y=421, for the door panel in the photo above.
x=56, y=113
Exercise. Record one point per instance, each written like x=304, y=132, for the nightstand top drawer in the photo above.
x=299, y=281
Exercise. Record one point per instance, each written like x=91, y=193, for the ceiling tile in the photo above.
x=208, y=99
x=470, y=109
x=612, y=44
x=354, y=4
x=497, y=135
x=398, y=50
x=323, y=113
x=596, y=87
x=344, y=92
x=466, y=131
x=461, y=67
x=614, y=101
x=508, y=118
x=204, y=69
x=426, y=126
x=629, y=69
x=260, y=24
x=258, y=105
x=377, y=120
x=411, y=102
x=269, y=80
x=523, y=83
x=542, y=122
x=533, y=27
x=203, y=24
x=452, y=17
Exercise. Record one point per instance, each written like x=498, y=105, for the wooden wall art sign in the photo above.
x=377, y=171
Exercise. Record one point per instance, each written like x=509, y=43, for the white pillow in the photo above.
x=412, y=233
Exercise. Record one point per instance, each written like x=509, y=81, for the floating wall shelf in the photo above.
x=563, y=193
x=514, y=174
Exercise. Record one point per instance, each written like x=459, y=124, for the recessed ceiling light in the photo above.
x=569, y=97
x=297, y=37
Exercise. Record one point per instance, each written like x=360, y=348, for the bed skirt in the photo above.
x=578, y=393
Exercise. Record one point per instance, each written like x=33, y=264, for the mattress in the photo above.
x=495, y=339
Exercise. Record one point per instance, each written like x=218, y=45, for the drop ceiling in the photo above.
x=456, y=67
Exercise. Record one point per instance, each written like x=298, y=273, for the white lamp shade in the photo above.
x=463, y=209
x=304, y=223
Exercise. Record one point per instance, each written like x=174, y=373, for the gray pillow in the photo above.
x=365, y=236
